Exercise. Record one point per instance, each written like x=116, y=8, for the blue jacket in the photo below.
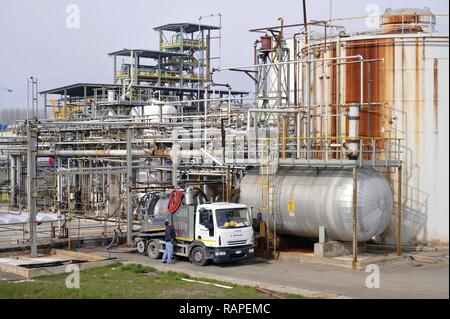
x=169, y=234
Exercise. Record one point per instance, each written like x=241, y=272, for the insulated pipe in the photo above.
x=353, y=131
x=102, y=153
x=296, y=68
x=280, y=36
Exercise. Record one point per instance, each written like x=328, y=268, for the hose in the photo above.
x=114, y=238
x=175, y=199
x=202, y=194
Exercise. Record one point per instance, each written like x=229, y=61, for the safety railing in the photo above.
x=144, y=73
x=184, y=43
x=13, y=234
x=243, y=149
x=61, y=110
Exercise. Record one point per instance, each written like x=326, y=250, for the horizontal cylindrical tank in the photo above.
x=154, y=112
x=305, y=199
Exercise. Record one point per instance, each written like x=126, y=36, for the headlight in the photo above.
x=251, y=250
x=220, y=253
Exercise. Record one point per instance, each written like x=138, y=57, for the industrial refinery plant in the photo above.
x=338, y=156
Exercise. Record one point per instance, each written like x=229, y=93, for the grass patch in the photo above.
x=126, y=282
x=137, y=268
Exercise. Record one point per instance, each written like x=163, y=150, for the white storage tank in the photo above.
x=305, y=199
x=156, y=112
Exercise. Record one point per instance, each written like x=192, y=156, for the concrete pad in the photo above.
x=20, y=264
x=341, y=261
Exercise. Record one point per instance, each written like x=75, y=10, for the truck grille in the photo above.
x=237, y=242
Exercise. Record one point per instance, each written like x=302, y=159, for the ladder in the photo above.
x=268, y=168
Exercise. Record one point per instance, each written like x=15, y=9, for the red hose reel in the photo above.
x=175, y=200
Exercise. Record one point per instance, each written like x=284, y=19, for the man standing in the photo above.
x=169, y=238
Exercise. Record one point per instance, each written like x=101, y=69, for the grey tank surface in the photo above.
x=305, y=199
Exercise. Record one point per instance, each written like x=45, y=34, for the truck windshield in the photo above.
x=232, y=218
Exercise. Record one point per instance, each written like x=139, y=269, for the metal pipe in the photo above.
x=32, y=192
x=358, y=57
x=122, y=153
x=399, y=211
x=355, y=217
x=296, y=68
x=284, y=138
x=129, y=187
x=305, y=22
x=280, y=35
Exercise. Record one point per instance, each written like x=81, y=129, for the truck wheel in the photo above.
x=140, y=245
x=153, y=250
x=198, y=256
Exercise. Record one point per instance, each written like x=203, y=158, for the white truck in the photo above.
x=205, y=233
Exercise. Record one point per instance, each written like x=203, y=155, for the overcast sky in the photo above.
x=35, y=39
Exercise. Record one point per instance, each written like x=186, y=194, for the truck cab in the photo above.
x=224, y=231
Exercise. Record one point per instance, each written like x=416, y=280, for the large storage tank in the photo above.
x=406, y=86
x=306, y=199
x=157, y=112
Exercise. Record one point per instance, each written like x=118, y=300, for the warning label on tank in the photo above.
x=291, y=207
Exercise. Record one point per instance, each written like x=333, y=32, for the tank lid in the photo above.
x=408, y=20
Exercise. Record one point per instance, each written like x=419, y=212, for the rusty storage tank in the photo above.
x=308, y=198
x=266, y=42
x=406, y=96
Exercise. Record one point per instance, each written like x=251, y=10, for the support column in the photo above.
x=399, y=212
x=129, y=187
x=228, y=183
x=20, y=193
x=355, y=218
x=12, y=179
x=58, y=182
x=32, y=193
x=174, y=159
